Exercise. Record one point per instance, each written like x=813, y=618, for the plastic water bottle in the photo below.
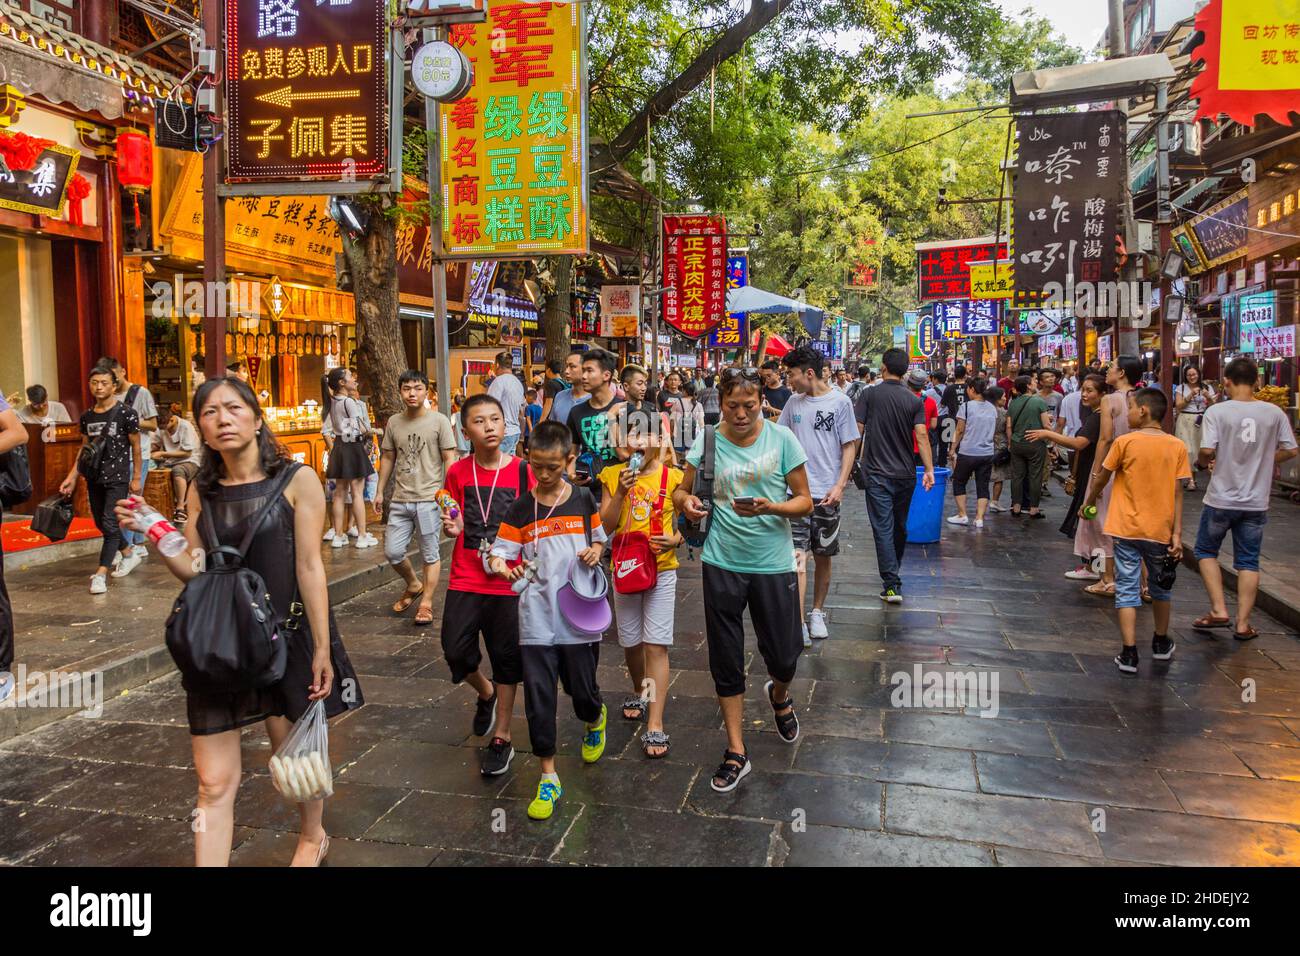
x=158, y=529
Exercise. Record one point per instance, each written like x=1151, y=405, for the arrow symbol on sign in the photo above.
x=286, y=97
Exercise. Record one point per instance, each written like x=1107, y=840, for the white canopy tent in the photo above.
x=747, y=298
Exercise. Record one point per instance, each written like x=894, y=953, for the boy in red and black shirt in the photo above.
x=485, y=484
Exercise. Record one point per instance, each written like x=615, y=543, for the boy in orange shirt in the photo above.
x=1145, y=518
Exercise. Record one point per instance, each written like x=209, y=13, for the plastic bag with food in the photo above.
x=300, y=769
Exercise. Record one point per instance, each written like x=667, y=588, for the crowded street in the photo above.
x=718, y=437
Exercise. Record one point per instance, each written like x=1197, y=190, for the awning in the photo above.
x=777, y=347
x=747, y=298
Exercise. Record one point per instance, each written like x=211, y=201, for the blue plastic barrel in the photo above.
x=925, y=515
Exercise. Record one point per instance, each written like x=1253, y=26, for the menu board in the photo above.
x=943, y=268
x=1065, y=202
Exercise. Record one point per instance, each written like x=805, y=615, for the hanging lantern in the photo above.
x=135, y=165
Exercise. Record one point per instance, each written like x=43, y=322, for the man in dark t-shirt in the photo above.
x=590, y=421
x=892, y=422
x=775, y=395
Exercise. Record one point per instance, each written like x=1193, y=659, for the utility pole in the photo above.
x=214, y=218
x=438, y=268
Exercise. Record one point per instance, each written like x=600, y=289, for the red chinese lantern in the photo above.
x=135, y=165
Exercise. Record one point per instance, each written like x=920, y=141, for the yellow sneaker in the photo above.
x=543, y=805
x=593, y=742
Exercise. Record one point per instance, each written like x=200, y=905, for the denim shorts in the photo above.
x=1247, y=529
x=407, y=519
x=1129, y=555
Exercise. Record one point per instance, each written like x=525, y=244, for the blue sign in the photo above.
x=962, y=318
x=926, y=333
x=730, y=333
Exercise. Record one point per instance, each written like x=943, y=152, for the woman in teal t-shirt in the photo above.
x=749, y=558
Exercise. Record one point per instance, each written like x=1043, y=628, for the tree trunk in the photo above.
x=380, y=356
x=558, y=315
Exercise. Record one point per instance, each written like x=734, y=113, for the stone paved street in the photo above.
x=1079, y=766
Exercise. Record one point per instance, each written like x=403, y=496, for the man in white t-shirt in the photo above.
x=509, y=391
x=1243, y=440
x=40, y=410
x=181, y=452
x=822, y=420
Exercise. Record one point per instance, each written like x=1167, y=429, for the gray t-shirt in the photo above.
x=1246, y=435
x=145, y=408
x=417, y=445
x=822, y=425
x=509, y=391
x=981, y=420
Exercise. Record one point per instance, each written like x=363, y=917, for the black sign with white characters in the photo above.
x=1065, y=202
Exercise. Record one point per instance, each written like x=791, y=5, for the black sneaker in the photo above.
x=1127, y=660
x=496, y=757
x=891, y=596
x=485, y=715
x=1162, y=648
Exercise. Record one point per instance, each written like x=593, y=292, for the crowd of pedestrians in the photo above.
x=566, y=505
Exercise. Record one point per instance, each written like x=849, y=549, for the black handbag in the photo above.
x=53, y=517
x=224, y=633
x=15, y=477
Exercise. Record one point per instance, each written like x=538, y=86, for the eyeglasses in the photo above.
x=749, y=373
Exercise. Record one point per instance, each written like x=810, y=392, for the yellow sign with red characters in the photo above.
x=514, y=149
x=1251, y=56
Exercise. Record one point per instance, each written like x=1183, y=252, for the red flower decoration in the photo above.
x=21, y=151
x=78, y=189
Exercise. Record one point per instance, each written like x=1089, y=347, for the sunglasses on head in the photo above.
x=749, y=373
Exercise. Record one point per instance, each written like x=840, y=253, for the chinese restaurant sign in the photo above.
x=1274, y=344
x=514, y=148
x=944, y=267
x=282, y=230
x=730, y=332
x=41, y=189
x=1252, y=60
x=695, y=262
x=991, y=280
x=1221, y=231
x=620, y=311
x=306, y=95
x=1065, y=202
x=965, y=318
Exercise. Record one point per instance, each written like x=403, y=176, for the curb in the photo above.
x=147, y=665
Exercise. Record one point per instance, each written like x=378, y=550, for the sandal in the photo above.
x=654, y=738
x=734, y=767
x=1249, y=635
x=638, y=706
x=406, y=600
x=787, y=725
x=1209, y=622
x=1101, y=589
x=423, y=617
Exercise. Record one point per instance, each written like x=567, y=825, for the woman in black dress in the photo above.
x=241, y=462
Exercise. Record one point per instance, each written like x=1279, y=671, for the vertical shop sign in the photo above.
x=514, y=148
x=730, y=332
x=695, y=273
x=1065, y=203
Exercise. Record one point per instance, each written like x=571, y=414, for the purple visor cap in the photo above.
x=583, y=600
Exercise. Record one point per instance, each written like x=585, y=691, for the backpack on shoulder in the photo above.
x=695, y=533
x=224, y=633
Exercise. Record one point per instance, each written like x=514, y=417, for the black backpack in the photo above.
x=223, y=632
x=702, y=488
x=15, y=477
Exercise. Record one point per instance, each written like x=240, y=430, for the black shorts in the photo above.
x=818, y=532
x=773, y=602
x=465, y=615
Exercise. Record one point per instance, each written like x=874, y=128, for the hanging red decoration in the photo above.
x=21, y=151
x=1251, y=68
x=78, y=189
x=135, y=165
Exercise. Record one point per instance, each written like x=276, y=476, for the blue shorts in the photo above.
x=1247, y=529
x=1129, y=555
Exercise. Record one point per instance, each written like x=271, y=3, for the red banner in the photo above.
x=695, y=273
x=1251, y=54
x=944, y=267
